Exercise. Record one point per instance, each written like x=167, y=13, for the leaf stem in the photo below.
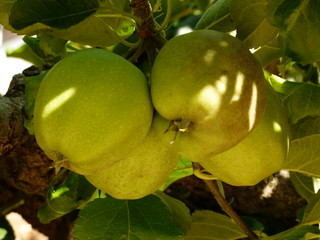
x=214, y=189
x=168, y=16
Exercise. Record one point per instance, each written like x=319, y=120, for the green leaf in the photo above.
x=179, y=211
x=268, y=53
x=24, y=52
x=6, y=231
x=143, y=219
x=299, y=232
x=312, y=211
x=303, y=185
x=213, y=226
x=183, y=169
x=58, y=14
x=101, y=29
x=282, y=86
x=303, y=101
x=5, y=6
x=65, y=198
x=304, y=155
x=251, y=23
x=307, y=126
x=98, y=31
x=215, y=13
x=298, y=22
x=32, y=85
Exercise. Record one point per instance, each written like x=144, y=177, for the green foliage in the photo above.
x=108, y=219
x=213, y=226
x=56, y=14
x=284, y=36
x=298, y=22
x=66, y=197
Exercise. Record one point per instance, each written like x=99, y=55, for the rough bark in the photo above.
x=25, y=171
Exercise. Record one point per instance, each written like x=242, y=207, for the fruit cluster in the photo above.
x=207, y=101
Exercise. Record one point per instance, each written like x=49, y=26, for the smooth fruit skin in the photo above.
x=92, y=108
x=262, y=153
x=139, y=174
x=210, y=83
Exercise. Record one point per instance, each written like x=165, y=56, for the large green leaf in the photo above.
x=60, y=14
x=143, y=219
x=298, y=22
x=180, y=212
x=213, y=226
x=251, y=23
x=101, y=28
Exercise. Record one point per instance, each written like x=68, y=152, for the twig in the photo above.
x=214, y=189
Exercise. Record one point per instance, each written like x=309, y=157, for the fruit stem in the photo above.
x=225, y=206
x=147, y=30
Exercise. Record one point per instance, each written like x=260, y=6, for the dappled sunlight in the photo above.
x=224, y=44
x=253, y=106
x=57, y=102
x=210, y=96
x=276, y=126
x=210, y=99
x=238, y=87
x=209, y=56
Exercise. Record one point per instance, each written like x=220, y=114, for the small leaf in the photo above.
x=183, y=169
x=143, y=219
x=65, y=198
x=213, y=226
x=214, y=14
x=58, y=14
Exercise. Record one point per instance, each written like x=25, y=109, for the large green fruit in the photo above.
x=92, y=109
x=262, y=153
x=211, y=87
x=139, y=174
